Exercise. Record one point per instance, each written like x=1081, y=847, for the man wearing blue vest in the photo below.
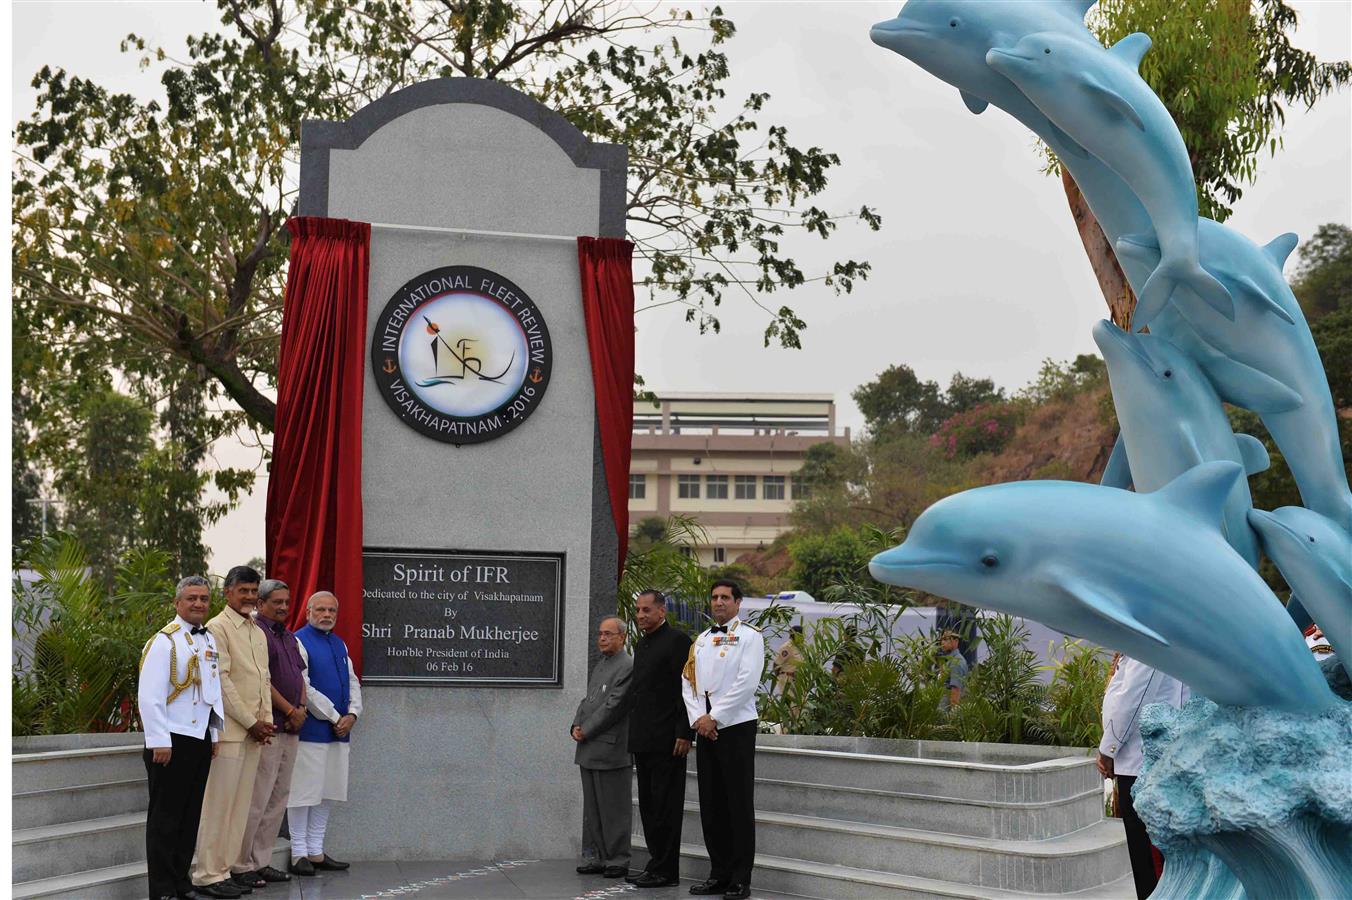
x=333, y=699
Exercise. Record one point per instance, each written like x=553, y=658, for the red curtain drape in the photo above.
x=606, y=268
x=314, y=517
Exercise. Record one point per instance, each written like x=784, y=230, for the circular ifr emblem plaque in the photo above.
x=461, y=354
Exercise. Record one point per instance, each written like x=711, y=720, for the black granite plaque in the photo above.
x=462, y=617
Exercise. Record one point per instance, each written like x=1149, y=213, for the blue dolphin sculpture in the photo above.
x=1147, y=574
x=1315, y=557
x=1172, y=420
x=1265, y=360
x=1252, y=361
x=1097, y=97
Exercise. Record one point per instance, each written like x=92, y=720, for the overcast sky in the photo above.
x=977, y=267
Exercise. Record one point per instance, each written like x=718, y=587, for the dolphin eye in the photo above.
x=1168, y=373
x=1047, y=50
x=1311, y=539
x=953, y=23
x=990, y=560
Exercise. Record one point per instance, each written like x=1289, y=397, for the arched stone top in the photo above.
x=318, y=137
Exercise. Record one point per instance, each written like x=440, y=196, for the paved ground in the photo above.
x=550, y=879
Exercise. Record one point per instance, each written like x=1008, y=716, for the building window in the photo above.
x=774, y=487
x=638, y=487
x=685, y=551
x=720, y=555
x=687, y=487
x=744, y=487
x=716, y=487
x=801, y=489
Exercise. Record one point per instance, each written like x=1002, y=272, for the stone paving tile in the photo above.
x=552, y=879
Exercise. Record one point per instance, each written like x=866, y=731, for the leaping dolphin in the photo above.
x=1315, y=557
x=1265, y=360
x=1172, y=420
x=1097, y=97
x=1147, y=574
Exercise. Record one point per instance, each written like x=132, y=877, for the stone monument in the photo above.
x=489, y=543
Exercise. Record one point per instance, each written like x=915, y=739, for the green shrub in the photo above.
x=78, y=647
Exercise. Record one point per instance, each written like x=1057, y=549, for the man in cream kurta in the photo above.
x=246, y=689
x=333, y=698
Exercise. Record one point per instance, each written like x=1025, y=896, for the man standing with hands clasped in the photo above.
x=720, y=679
x=601, y=729
x=659, y=738
x=247, y=690
x=179, y=696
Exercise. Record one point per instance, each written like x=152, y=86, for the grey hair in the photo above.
x=613, y=619
x=317, y=594
x=270, y=585
x=190, y=581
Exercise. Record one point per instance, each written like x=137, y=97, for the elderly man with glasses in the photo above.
x=601, y=730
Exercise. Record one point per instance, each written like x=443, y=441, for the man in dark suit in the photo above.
x=659, y=738
x=601, y=730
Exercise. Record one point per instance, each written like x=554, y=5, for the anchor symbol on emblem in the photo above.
x=389, y=366
x=535, y=376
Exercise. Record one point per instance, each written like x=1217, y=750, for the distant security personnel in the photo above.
x=725, y=666
x=179, y=695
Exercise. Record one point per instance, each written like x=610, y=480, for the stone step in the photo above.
x=1084, y=859
x=977, y=818
x=48, y=851
x=72, y=804
x=1043, y=781
x=67, y=768
x=124, y=882
x=835, y=882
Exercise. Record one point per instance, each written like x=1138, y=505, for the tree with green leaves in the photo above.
x=1323, y=280
x=1227, y=72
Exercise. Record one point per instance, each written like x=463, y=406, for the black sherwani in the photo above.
x=656, y=719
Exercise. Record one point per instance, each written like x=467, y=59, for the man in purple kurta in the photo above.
x=272, y=786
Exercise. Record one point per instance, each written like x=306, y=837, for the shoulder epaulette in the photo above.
x=689, y=671
x=145, y=651
x=170, y=628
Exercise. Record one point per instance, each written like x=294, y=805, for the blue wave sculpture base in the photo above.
x=1269, y=793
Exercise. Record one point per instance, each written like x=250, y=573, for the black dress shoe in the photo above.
x=650, y=880
x=329, y=864
x=615, y=871
x=189, y=894
x=268, y=873
x=632, y=878
x=737, y=892
x=709, y=888
x=225, y=889
x=301, y=866
x=247, y=881
x=590, y=869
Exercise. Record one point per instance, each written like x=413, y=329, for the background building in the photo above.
x=728, y=461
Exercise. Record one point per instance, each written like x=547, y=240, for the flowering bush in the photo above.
x=982, y=429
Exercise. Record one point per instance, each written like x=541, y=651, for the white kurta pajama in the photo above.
x=321, y=769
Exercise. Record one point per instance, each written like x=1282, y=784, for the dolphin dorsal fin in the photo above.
x=1132, y=48
x=1280, y=247
x=1250, y=289
x=1201, y=491
x=1112, y=99
x=974, y=103
x=1076, y=9
x=1254, y=454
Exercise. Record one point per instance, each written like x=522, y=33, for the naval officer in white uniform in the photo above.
x=1133, y=687
x=179, y=695
x=720, y=679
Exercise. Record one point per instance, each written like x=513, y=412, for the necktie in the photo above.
x=718, y=628
x=199, y=629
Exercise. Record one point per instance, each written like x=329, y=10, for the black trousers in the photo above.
x=1138, y=840
x=727, y=805
x=175, y=810
x=661, y=807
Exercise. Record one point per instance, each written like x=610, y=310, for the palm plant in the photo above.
x=77, y=648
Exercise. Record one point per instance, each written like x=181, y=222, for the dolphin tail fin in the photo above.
x=1159, y=288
